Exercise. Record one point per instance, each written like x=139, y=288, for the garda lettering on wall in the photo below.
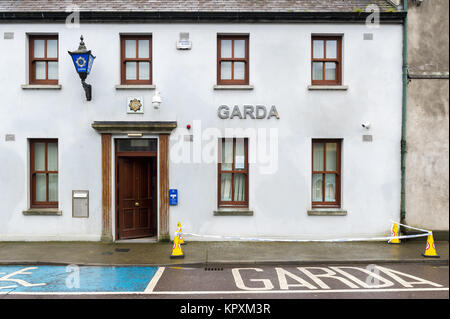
x=257, y=112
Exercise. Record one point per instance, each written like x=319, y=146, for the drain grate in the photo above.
x=122, y=250
x=213, y=269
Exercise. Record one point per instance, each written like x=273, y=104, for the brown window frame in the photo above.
x=33, y=172
x=233, y=171
x=337, y=60
x=33, y=60
x=337, y=172
x=246, y=60
x=123, y=60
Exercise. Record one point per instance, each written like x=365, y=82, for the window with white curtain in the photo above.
x=43, y=56
x=136, y=59
x=326, y=60
x=44, y=172
x=232, y=59
x=326, y=172
x=233, y=172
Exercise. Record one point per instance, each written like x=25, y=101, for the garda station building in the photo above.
x=263, y=119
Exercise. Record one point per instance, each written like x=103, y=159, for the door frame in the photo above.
x=148, y=155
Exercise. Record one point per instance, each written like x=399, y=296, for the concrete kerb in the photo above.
x=234, y=264
x=204, y=258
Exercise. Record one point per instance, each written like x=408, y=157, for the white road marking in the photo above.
x=327, y=273
x=295, y=291
x=8, y=287
x=230, y=292
x=393, y=273
x=240, y=283
x=19, y=281
x=151, y=285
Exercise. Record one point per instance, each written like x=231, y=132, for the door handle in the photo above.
x=136, y=204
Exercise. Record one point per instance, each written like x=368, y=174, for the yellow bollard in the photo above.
x=176, y=250
x=430, y=250
x=180, y=234
x=394, y=233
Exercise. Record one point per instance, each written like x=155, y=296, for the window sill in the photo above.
x=233, y=87
x=42, y=212
x=233, y=212
x=41, y=86
x=135, y=87
x=327, y=212
x=328, y=87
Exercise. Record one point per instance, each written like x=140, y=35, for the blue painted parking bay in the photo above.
x=72, y=278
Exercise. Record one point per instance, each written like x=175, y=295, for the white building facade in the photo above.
x=310, y=109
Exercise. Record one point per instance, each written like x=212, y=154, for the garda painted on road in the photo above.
x=73, y=278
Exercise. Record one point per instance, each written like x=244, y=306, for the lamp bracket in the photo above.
x=87, y=89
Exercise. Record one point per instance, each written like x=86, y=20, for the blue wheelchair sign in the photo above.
x=173, y=197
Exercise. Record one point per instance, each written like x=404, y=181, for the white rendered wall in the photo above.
x=280, y=71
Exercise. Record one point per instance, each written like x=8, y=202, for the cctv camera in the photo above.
x=366, y=125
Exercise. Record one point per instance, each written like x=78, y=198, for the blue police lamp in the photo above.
x=83, y=60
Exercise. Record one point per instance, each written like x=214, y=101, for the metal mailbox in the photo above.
x=80, y=204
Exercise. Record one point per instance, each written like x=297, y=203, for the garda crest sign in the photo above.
x=135, y=105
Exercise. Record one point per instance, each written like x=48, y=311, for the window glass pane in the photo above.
x=41, y=188
x=318, y=156
x=225, y=187
x=52, y=187
x=317, y=187
x=40, y=70
x=239, y=70
x=239, y=187
x=130, y=73
x=52, y=48
x=39, y=156
x=227, y=154
x=239, y=48
x=331, y=49
x=318, y=49
x=144, y=145
x=144, y=71
x=225, y=48
x=317, y=71
x=144, y=48
x=331, y=156
x=330, y=187
x=39, y=48
x=239, y=154
x=330, y=71
x=225, y=70
x=130, y=48
x=52, y=156
x=52, y=70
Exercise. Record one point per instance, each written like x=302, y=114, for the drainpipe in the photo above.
x=404, y=84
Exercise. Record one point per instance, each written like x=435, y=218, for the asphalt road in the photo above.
x=360, y=281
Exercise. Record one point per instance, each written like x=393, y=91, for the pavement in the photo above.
x=210, y=254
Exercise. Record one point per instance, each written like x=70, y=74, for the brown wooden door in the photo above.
x=135, y=197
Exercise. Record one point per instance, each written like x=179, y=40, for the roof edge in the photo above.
x=140, y=17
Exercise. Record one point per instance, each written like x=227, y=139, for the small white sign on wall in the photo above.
x=135, y=105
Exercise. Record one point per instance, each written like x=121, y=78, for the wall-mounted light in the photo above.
x=83, y=60
x=366, y=125
x=156, y=101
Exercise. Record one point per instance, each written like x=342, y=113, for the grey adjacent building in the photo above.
x=427, y=116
